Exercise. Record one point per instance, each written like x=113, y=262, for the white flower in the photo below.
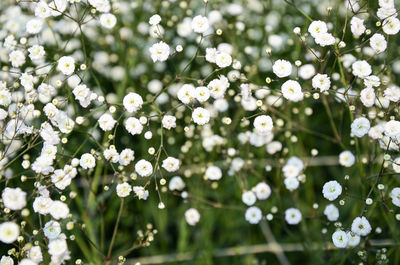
x=111, y=154
x=59, y=210
x=360, y=127
x=108, y=21
x=169, y=122
x=317, y=27
x=346, y=158
x=36, y=52
x=126, y=156
x=218, y=87
x=200, y=116
x=87, y=161
x=83, y=94
x=340, y=239
x=176, y=183
x=291, y=90
x=262, y=190
x=223, y=59
x=391, y=25
x=123, y=189
x=14, y=199
x=253, y=215
x=392, y=93
x=155, y=20
x=106, y=122
x=66, y=65
x=378, y=43
x=170, y=164
x=211, y=54
x=361, y=226
x=52, y=230
x=133, y=126
x=361, y=68
x=291, y=183
x=6, y=260
x=213, y=173
x=325, y=39
x=357, y=26
x=306, y=71
x=27, y=262
x=392, y=128
x=132, y=102
x=34, y=26
x=186, y=93
x=144, y=168
x=396, y=165
x=282, y=68
x=202, y=93
x=331, y=212
x=35, y=254
x=57, y=247
x=368, y=97
x=42, y=10
x=395, y=195
x=331, y=190
x=141, y=192
x=322, y=82
x=354, y=239
x=159, y=51
x=263, y=124
x=293, y=216
x=200, y=24
x=42, y=204
x=290, y=171
x=249, y=198
x=9, y=232
x=17, y=58
x=192, y=216
x=5, y=97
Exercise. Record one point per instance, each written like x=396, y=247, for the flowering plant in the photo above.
x=129, y=127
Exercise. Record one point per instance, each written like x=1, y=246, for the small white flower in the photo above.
x=200, y=116
x=378, y=43
x=361, y=226
x=223, y=59
x=171, y=164
x=202, y=94
x=340, y=239
x=391, y=25
x=87, y=161
x=176, y=183
x=132, y=102
x=282, y=68
x=141, y=192
x=291, y=183
x=133, y=126
x=360, y=127
x=361, y=68
x=354, y=239
x=58, y=210
x=159, y=51
x=108, y=21
x=123, y=189
x=253, y=215
x=126, y=156
x=263, y=124
x=395, y=195
x=291, y=90
x=144, y=168
x=293, y=216
x=346, y=158
x=192, y=216
x=66, y=65
x=357, y=26
x=249, y=198
x=317, y=27
x=368, y=97
x=200, y=24
x=392, y=128
x=9, y=232
x=331, y=190
x=169, y=122
x=213, y=173
x=186, y=93
x=13, y=199
x=262, y=190
x=155, y=20
x=331, y=212
x=322, y=82
x=52, y=230
x=106, y=122
x=17, y=58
